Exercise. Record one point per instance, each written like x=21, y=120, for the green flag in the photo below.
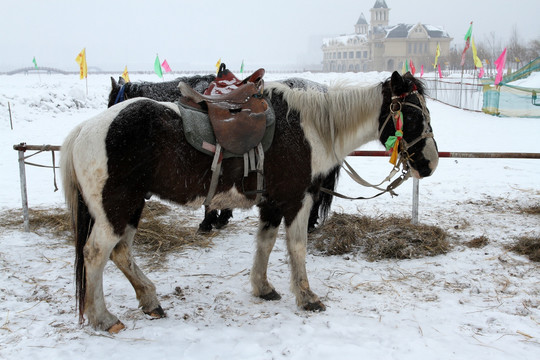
x=35, y=62
x=469, y=33
x=157, y=67
x=242, y=67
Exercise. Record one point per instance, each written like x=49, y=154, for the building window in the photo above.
x=344, y=54
x=339, y=55
x=365, y=54
x=358, y=54
x=351, y=54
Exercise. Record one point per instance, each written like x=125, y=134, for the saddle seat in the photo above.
x=236, y=110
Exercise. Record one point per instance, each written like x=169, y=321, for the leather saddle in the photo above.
x=236, y=109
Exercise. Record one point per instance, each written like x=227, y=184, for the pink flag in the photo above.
x=481, y=74
x=166, y=66
x=421, y=70
x=499, y=63
x=440, y=73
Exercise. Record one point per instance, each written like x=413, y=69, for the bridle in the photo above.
x=398, y=101
x=404, y=159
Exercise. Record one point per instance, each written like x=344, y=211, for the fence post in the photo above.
x=416, y=193
x=24, y=196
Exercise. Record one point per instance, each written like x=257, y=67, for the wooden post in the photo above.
x=24, y=196
x=10, y=119
x=415, y=193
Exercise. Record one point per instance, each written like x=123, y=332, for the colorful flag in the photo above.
x=403, y=68
x=166, y=66
x=411, y=66
x=81, y=60
x=35, y=62
x=437, y=54
x=218, y=64
x=481, y=74
x=242, y=67
x=467, y=44
x=157, y=67
x=499, y=63
x=440, y=73
x=125, y=75
x=477, y=61
x=421, y=70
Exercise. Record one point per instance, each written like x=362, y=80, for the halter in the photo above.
x=398, y=101
x=120, y=97
x=404, y=158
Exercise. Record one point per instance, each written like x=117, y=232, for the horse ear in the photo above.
x=121, y=81
x=397, y=84
x=113, y=83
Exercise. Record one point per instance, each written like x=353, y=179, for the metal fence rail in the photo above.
x=23, y=147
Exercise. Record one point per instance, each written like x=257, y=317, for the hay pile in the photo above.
x=529, y=246
x=159, y=232
x=378, y=238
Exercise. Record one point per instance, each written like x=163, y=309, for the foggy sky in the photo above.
x=195, y=34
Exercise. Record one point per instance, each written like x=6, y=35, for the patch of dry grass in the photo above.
x=379, y=238
x=529, y=246
x=477, y=242
x=157, y=234
x=532, y=210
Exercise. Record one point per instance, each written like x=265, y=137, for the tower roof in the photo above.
x=361, y=20
x=380, y=4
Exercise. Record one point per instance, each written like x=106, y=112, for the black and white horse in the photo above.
x=110, y=162
x=169, y=91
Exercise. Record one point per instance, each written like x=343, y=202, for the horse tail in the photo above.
x=81, y=220
x=329, y=182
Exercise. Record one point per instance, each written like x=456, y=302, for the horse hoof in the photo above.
x=219, y=224
x=116, y=328
x=205, y=229
x=272, y=296
x=316, y=306
x=157, y=313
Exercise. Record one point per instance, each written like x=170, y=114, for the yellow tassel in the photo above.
x=393, y=158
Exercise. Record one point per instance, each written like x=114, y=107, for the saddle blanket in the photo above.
x=199, y=133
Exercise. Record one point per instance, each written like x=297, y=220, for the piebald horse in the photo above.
x=110, y=162
x=169, y=91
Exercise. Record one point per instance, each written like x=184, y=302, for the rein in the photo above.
x=400, y=156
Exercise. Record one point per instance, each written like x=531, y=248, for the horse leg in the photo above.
x=144, y=288
x=270, y=218
x=209, y=218
x=96, y=253
x=296, y=234
x=223, y=218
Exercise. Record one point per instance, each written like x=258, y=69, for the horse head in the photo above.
x=115, y=90
x=404, y=123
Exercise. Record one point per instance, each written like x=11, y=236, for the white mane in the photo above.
x=350, y=113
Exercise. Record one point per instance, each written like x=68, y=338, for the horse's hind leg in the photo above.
x=96, y=253
x=270, y=218
x=296, y=246
x=223, y=218
x=144, y=288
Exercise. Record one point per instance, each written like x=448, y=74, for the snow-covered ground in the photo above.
x=468, y=304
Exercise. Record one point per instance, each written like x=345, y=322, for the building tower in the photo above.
x=361, y=26
x=379, y=14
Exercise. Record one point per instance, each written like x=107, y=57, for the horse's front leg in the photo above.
x=297, y=248
x=270, y=218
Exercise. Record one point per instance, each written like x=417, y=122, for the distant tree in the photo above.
x=516, y=51
x=533, y=50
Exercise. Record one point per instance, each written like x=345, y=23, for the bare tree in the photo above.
x=516, y=52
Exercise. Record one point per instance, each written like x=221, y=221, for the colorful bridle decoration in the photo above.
x=393, y=141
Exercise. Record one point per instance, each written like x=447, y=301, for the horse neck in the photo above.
x=338, y=121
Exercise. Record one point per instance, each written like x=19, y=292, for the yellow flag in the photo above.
x=125, y=74
x=218, y=64
x=437, y=54
x=81, y=60
x=477, y=61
